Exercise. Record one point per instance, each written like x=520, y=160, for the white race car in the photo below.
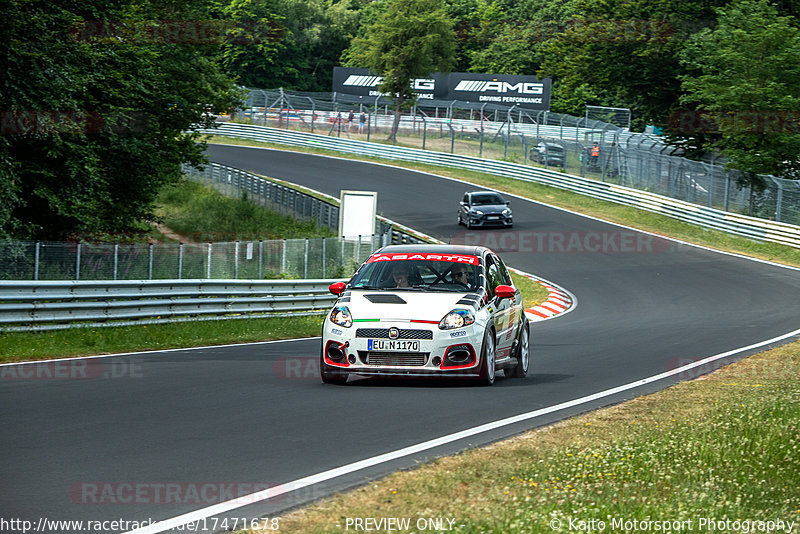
x=426, y=311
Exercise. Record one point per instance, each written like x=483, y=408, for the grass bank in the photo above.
x=202, y=214
x=721, y=449
x=624, y=215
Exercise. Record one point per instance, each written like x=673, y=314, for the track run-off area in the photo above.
x=249, y=430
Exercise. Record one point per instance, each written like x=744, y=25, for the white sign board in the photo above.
x=357, y=213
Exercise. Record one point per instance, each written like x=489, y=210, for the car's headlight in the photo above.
x=506, y=212
x=456, y=319
x=341, y=315
x=475, y=212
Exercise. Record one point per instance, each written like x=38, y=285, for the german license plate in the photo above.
x=397, y=345
x=492, y=217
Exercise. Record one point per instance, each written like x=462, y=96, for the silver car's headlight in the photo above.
x=456, y=319
x=341, y=315
x=475, y=212
x=506, y=212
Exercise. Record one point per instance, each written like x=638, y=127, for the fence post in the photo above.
x=323, y=257
x=283, y=258
x=150, y=261
x=305, y=262
x=208, y=266
x=36, y=262
x=180, y=260
x=78, y=262
x=236, y=260
x=260, y=255
x=116, y=260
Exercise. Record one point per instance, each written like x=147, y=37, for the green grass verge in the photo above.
x=616, y=213
x=721, y=448
x=23, y=346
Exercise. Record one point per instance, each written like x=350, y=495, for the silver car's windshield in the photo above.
x=428, y=275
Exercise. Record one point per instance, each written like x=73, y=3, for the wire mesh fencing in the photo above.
x=325, y=257
x=577, y=145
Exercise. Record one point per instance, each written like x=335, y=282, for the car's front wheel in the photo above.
x=522, y=353
x=488, y=356
x=329, y=376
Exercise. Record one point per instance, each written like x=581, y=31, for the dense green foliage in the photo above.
x=409, y=39
x=96, y=97
x=755, y=121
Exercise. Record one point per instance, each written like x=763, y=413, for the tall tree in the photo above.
x=411, y=39
x=626, y=53
x=297, y=42
x=745, y=83
x=99, y=100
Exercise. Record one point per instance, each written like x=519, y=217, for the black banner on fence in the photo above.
x=524, y=91
x=363, y=82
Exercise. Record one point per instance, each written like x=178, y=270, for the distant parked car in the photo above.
x=549, y=154
x=484, y=208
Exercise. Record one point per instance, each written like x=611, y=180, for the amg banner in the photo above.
x=524, y=91
x=362, y=82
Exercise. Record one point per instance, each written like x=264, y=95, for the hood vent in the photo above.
x=384, y=298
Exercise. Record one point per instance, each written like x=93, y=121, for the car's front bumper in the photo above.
x=490, y=220
x=432, y=352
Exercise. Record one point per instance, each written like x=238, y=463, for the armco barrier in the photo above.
x=750, y=227
x=50, y=305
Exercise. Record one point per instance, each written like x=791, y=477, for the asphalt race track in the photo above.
x=156, y=435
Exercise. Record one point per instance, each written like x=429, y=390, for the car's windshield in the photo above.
x=456, y=273
x=486, y=200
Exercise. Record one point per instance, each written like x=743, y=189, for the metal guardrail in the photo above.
x=750, y=227
x=52, y=305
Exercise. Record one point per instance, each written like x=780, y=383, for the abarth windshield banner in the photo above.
x=455, y=258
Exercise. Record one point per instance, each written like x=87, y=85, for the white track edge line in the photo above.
x=157, y=351
x=287, y=487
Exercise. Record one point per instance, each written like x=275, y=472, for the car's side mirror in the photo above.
x=508, y=202
x=337, y=288
x=504, y=292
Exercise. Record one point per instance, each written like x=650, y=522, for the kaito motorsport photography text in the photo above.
x=701, y=524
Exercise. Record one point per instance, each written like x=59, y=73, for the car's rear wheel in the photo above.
x=488, y=356
x=522, y=353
